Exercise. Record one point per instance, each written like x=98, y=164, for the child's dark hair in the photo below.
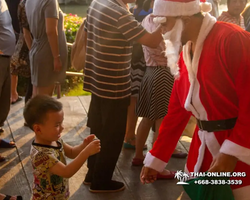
x=146, y=5
x=36, y=109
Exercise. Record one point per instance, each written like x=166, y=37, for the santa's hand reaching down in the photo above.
x=148, y=175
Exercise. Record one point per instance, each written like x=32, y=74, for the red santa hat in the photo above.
x=173, y=8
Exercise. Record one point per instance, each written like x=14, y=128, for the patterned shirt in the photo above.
x=226, y=17
x=153, y=56
x=47, y=185
x=111, y=30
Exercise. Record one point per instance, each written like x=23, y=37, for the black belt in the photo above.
x=216, y=125
x=5, y=56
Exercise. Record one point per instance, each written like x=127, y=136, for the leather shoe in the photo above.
x=111, y=186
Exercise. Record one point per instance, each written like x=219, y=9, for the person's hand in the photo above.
x=148, y=175
x=223, y=163
x=57, y=64
x=93, y=147
x=88, y=139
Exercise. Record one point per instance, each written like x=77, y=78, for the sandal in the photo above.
x=137, y=161
x=7, y=197
x=171, y=175
x=18, y=99
x=128, y=145
x=7, y=144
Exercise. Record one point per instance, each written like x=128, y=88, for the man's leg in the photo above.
x=114, y=117
x=5, y=87
x=94, y=123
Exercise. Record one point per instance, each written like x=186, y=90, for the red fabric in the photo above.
x=224, y=78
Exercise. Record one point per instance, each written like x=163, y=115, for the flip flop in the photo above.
x=6, y=144
x=7, y=197
x=18, y=99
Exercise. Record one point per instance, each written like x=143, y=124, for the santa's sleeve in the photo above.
x=238, y=61
x=170, y=131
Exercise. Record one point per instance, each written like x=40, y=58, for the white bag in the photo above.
x=78, y=49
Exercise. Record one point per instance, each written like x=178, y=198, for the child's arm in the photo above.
x=69, y=170
x=72, y=152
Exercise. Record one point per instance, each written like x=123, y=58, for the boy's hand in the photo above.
x=88, y=139
x=93, y=147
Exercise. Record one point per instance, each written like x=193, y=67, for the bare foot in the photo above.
x=177, y=151
x=131, y=141
x=14, y=97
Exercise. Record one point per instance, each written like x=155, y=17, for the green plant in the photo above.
x=72, y=24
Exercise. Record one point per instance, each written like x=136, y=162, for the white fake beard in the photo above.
x=173, y=45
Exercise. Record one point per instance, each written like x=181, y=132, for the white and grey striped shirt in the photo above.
x=111, y=29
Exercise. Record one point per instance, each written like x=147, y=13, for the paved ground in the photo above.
x=16, y=172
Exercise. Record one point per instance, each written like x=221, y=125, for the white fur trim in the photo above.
x=171, y=8
x=233, y=149
x=242, y=193
x=154, y=163
x=212, y=144
x=201, y=151
x=192, y=66
x=159, y=20
x=206, y=7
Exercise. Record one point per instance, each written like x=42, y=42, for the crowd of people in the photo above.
x=164, y=61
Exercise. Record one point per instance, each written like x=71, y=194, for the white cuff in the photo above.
x=233, y=149
x=154, y=163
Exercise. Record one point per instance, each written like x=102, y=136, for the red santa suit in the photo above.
x=214, y=85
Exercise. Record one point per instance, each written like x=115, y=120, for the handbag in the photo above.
x=78, y=49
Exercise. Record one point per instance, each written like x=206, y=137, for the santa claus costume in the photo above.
x=214, y=87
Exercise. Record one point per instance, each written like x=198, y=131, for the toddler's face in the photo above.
x=52, y=127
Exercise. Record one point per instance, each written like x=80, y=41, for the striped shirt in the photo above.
x=111, y=30
x=226, y=17
x=153, y=57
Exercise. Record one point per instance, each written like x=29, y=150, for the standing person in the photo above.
x=110, y=34
x=213, y=82
x=20, y=63
x=233, y=15
x=138, y=67
x=13, y=7
x=154, y=94
x=7, y=47
x=246, y=16
x=48, y=53
x=44, y=115
x=215, y=7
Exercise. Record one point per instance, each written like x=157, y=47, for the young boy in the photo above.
x=44, y=115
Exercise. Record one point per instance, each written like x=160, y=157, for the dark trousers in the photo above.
x=4, y=88
x=107, y=120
